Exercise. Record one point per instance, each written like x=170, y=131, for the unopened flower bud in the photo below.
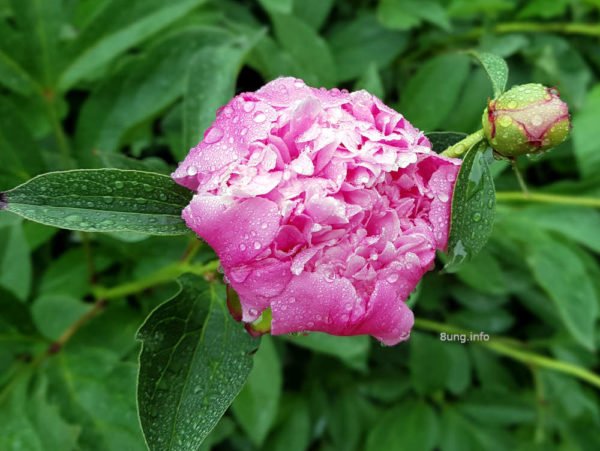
x=526, y=119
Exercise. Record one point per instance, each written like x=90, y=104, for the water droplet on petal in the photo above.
x=257, y=245
x=537, y=120
x=248, y=106
x=213, y=135
x=242, y=247
x=259, y=117
x=392, y=278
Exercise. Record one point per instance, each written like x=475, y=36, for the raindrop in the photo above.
x=443, y=197
x=213, y=135
x=263, y=225
x=244, y=131
x=119, y=184
x=73, y=218
x=392, y=278
x=242, y=247
x=259, y=117
x=248, y=106
x=476, y=217
x=537, y=120
x=191, y=171
x=490, y=203
x=512, y=104
x=505, y=121
x=257, y=245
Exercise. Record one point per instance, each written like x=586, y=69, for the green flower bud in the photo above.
x=526, y=119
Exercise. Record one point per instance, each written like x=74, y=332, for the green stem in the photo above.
x=162, y=276
x=458, y=149
x=558, y=199
x=533, y=27
x=508, y=348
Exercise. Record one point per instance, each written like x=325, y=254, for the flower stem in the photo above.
x=508, y=348
x=458, y=149
x=159, y=277
x=558, y=199
x=533, y=27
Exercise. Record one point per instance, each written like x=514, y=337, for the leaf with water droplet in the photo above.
x=473, y=207
x=194, y=361
x=495, y=67
x=102, y=200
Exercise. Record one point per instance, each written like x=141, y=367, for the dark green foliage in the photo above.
x=132, y=84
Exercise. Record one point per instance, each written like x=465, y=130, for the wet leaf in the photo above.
x=495, y=67
x=473, y=207
x=195, y=359
x=102, y=200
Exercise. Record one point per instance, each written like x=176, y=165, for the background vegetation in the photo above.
x=134, y=83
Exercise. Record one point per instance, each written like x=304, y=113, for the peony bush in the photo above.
x=299, y=225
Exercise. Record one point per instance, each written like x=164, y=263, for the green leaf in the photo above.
x=407, y=14
x=440, y=141
x=115, y=29
x=562, y=274
x=15, y=261
x=473, y=207
x=294, y=431
x=459, y=434
x=430, y=95
x=496, y=407
x=311, y=52
x=95, y=388
x=585, y=142
x=313, y=12
x=255, y=408
x=102, y=200
x=21, y=156
x=495, y=67
x=210, y=85
x=277, y=6
x=579, y=224
x=43, y=21
x=364, y=40
x=353, y=351
x=195, y=359
x=371, y=82
x=53, y=314
x=29, y=422
x=430, y=362
x=139, y=90
x=15, y=77
x=412, y=425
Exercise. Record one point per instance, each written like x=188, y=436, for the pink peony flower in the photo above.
x=324, y=206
